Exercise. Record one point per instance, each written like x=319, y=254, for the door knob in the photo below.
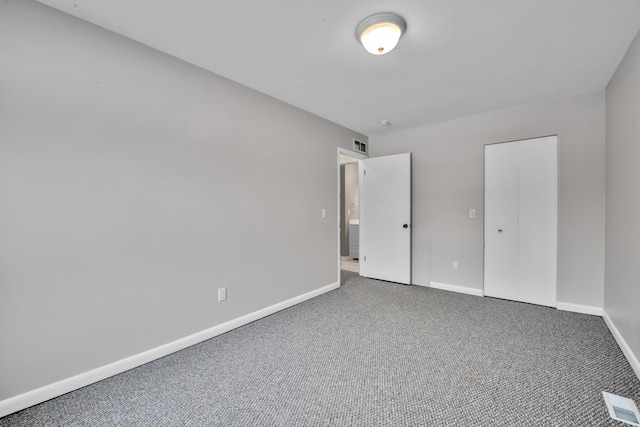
x=405, y=226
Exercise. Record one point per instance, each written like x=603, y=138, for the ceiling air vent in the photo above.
x=360, y=147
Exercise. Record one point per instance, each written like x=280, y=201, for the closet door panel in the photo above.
x=501, y=221
x=537, y=242
x=521, y=220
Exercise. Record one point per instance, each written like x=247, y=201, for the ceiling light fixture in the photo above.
x=380, y=33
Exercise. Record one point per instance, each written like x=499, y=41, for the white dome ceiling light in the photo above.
x=380, y=33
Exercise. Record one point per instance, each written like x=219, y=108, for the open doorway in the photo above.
x=348, y=210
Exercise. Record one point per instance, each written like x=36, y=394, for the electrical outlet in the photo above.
x=222, y=294
x=472, y=213
x=455, y=265
x=324, y=213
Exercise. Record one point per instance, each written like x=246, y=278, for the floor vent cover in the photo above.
x=622, y=409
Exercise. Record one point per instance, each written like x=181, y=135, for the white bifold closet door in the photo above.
x=520, y=220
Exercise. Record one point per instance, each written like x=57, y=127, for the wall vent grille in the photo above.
x=360, y=147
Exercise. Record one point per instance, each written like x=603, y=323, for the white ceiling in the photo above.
x=457, y=57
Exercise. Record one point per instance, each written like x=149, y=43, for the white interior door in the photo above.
x=538, y=220
x=521, y=220
x=501, y=221
x=385, y=218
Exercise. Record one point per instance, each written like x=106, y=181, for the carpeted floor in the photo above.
x=371, y=354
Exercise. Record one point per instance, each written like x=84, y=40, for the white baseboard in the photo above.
x=577, y=308
x=33, y=397
x=457, y=288
x=346, y=258
x=626, y=350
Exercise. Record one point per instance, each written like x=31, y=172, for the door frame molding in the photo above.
x=358, y=157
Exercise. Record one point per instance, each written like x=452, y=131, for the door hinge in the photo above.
x=365, y=257
x=365, y=171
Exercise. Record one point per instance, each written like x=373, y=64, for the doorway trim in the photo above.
x=358, y=157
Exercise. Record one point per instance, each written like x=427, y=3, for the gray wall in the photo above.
x=133, y=185
x=352, y=195
x=344, y=234
x=352, y=191
x=447, y=181
x=349, y=194
x=622, y=264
